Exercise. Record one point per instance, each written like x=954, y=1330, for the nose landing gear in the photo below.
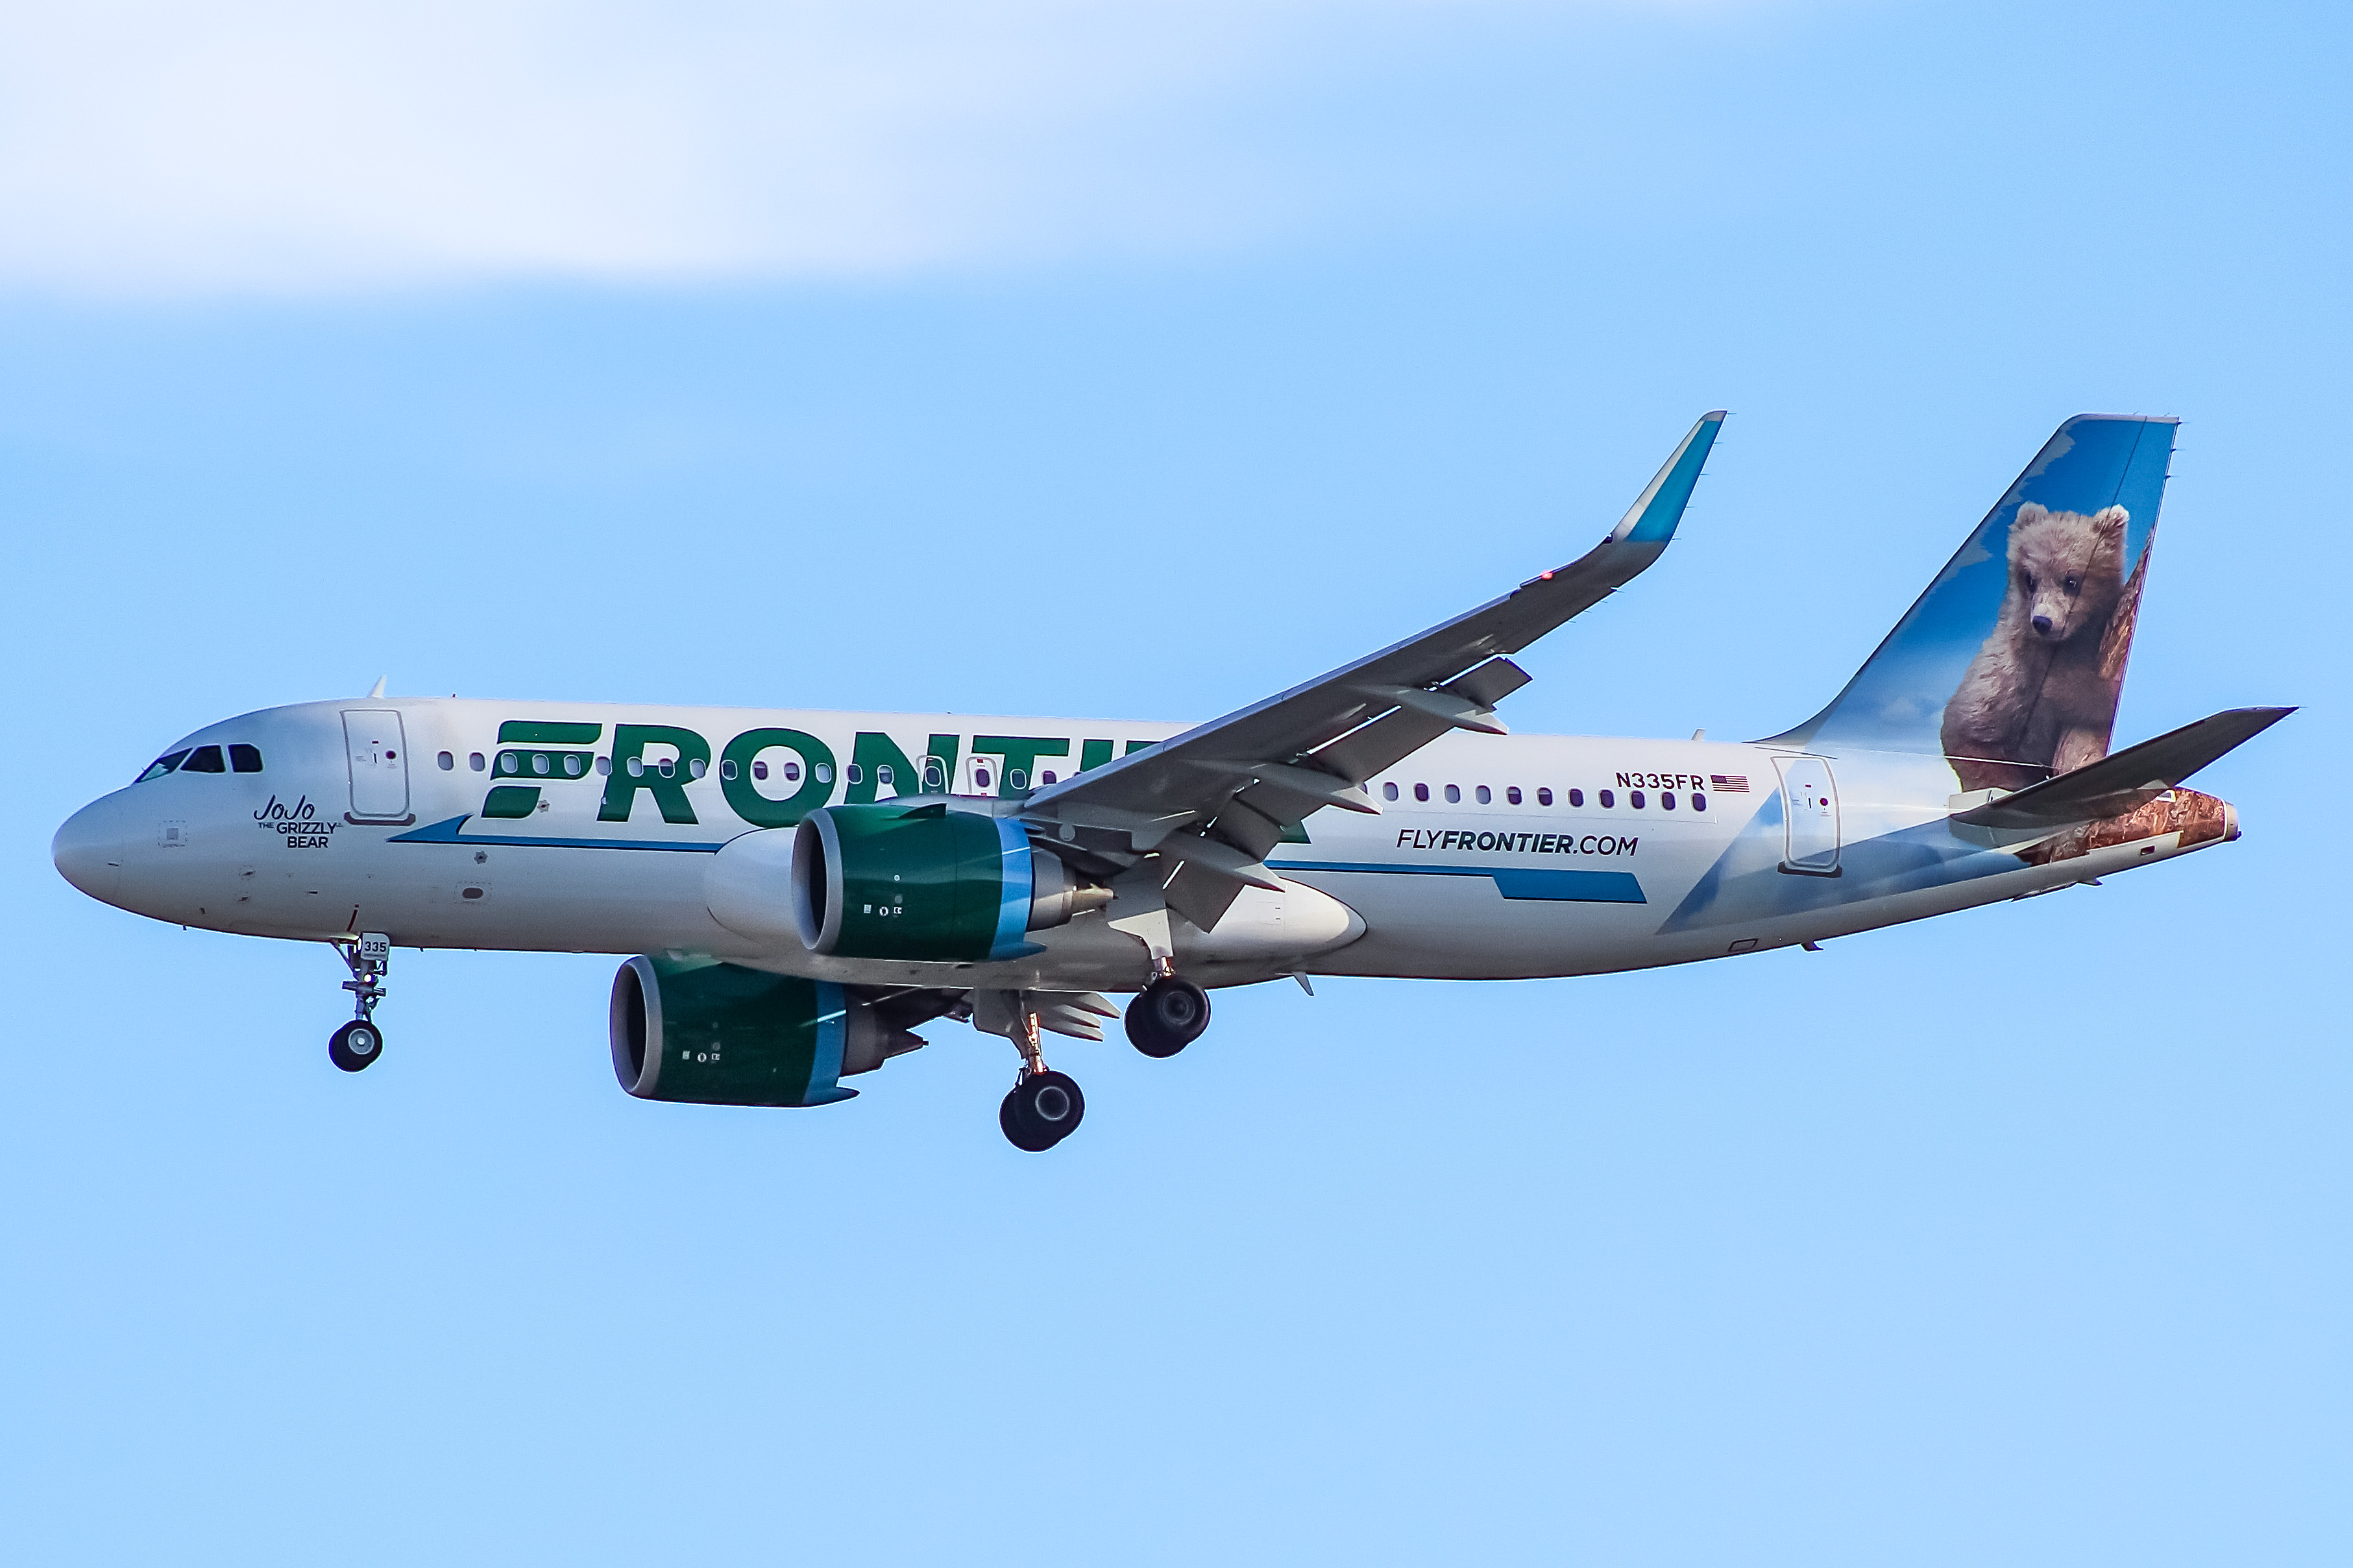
x=360, y=1042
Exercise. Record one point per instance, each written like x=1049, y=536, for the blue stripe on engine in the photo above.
x=831, y=1036
x=1013, y=905
x=1552, y=886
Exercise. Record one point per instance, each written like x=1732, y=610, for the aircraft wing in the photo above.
x=1201, y=812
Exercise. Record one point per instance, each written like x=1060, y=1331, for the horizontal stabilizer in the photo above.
x=2127, y=781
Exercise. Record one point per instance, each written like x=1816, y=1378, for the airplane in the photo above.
x=796, y=892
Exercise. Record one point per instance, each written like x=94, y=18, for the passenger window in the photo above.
x=759, y=768
x=1421, y=792
x=1486, y=795
x=935, y=776
x=603, y=766
x=1667, y=801
x=1699, y=801
x=854, y=773
x=667, y=767
x=1453, y=793
x=1513, y=795
x=445, y=762
x=726, y=767
x=695, y=769
x=882, y=776
x=572, y=765
x=474, y=761
x=1388, y=792
x=162, y=766
x=1017, y=778
x=204, y=760
x=980, y=778
x=1576, y=797
x=1633, y=798
x=539, y=763
x=1544, y=798
x=1607, y=800
x=1046, y=777
x=824, y=771
x=793, y=772
x=636, y=766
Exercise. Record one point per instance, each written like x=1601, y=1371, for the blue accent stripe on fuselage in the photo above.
x=451, y=832
x=1556, y=887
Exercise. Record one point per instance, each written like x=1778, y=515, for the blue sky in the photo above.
x=1144, y=359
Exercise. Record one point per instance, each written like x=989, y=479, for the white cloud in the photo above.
x=147, y=145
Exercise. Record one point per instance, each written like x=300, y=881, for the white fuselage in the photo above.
x=1497, y=858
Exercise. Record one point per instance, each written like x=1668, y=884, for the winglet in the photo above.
x=1652, y=518
x=377, y=689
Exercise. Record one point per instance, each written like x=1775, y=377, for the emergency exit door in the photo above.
x=1809, y=806
x=378, y=749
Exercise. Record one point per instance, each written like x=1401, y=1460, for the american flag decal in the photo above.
x=1728, y=783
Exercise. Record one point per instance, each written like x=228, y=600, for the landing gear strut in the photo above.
x=1168, y=1014
x=360, y=1042
x=1044, y=1107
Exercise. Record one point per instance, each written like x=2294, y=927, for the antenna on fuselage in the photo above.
x=377, y=689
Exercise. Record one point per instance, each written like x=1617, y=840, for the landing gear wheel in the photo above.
x=1042, y=1110
x=355, y=1045
x=1167, y=1015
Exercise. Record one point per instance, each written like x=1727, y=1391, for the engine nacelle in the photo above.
x=926, y=884
x=718, y=1034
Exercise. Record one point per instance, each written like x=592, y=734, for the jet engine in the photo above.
x=718, y=1034
x=928, y=884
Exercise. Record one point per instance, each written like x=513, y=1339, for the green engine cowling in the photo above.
x=926, y=883
x=708, y=1033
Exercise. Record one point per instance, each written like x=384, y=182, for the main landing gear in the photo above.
x=1041, y=1111
x=360, y=1042
x=1168, y=1014
x=1044, y=1107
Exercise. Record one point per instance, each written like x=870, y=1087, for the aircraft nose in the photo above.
x=88, y=849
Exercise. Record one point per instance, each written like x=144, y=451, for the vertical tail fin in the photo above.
x=2010, y=664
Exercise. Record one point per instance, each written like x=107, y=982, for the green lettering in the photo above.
x=744, y=796
x=548, y=733
x=1093, y=754
x=1020, y=753
x=873, y=751
x=621, y=786
x=1135, y=746
x=511, y=800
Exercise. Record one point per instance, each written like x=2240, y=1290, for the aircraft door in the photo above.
x=1810, y=806
x=378, y=749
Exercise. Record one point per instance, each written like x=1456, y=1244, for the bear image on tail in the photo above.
x=2040, y=696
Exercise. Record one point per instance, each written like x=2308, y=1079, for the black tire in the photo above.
x=355, y=1045
x=1167, y=1015
x=1042, y=1110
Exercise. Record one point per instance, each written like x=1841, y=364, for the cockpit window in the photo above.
x=245, y=759
x=204, y=760
x=162, y=766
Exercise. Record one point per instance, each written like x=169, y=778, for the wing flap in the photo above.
x=1351, y=722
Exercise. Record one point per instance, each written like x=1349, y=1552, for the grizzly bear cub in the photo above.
x=2041, y=694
